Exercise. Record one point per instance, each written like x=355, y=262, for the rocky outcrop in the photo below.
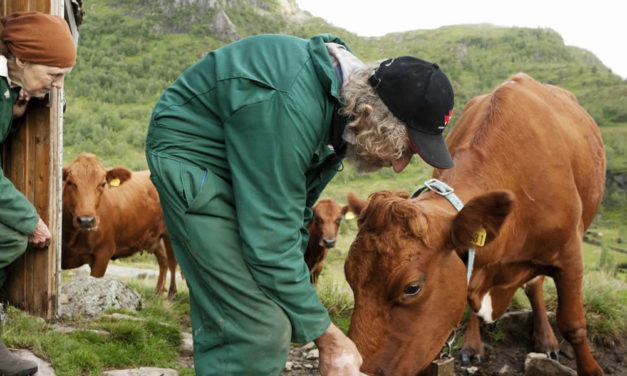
x=202, y=4
x=222, y=27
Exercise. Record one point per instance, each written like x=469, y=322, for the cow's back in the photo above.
x=536, y=141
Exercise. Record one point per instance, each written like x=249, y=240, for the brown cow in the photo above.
x=529, y=165
x=323, y=227
x=109, y=214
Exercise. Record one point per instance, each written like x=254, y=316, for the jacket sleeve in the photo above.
x=268, y=154
x=16, y=211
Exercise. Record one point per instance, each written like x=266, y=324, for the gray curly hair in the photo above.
x=380, y=137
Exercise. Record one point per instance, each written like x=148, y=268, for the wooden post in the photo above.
x=32, y=159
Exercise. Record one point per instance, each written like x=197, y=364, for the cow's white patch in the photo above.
x=343, y=360
x=485, y=312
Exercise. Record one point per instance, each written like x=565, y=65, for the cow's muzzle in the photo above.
x=86, y=223
x=328, y=243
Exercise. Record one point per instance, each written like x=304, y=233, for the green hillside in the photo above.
x=130, y=51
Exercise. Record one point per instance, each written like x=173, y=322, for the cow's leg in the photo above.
x=493, y=304
x=172, y=264
x=472, y=347
x=316, y=270
x=543, y=337
x=571, y=319
x=99, y=264
x=162, y=260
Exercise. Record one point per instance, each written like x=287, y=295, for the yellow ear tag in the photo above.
x=349, y=215
x=114, y=182
x=478, y=237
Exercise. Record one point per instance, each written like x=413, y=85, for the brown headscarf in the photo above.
x=39, y=38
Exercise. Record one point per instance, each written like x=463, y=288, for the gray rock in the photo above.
x=68, y=329
x=313, y=354
x=505, y=371
x=308, y=346
x=45, y=369
x=89, y=296
x=187, y=347
x=538, y=364
x=289, y=365
x=120, y=316
x=142, y=371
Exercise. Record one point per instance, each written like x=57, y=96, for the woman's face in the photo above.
x=38, y=80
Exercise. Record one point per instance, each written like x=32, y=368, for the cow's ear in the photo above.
x=344, y=210
x=66, y=172
x=480, y=220
x=355, y=204
x=118, y=175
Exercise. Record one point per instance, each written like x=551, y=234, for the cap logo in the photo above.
x=448, y=117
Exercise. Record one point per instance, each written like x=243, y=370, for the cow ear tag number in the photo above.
x=478, y=237
x=114, y=182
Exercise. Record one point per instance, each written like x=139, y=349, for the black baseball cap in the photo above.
x=419, y=94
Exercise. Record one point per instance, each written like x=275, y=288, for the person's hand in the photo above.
x=19, y=107
x=338, y=354
x=40, y=238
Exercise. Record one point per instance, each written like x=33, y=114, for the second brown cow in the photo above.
x=108, y=214
x=323, y=228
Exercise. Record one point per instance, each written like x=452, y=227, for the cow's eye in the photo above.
x=338, y=221
x=103, y=184
x=411, y=289
x=69, y=183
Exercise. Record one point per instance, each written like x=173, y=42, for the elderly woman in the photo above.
x=241, y=146
x=37, y=51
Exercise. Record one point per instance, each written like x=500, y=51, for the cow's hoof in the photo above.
x=553, y=355
x=467, y=358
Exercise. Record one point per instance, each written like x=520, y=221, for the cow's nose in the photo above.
x=85, y=222
x=329, y=243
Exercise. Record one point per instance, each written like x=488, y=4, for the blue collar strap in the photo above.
x=445, y=190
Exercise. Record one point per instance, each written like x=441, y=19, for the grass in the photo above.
x=151, y=341
x=615, y=140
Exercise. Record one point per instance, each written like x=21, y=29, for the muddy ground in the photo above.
x=506, y=345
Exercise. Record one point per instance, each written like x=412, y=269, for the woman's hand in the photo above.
x=19, y=107
x=338, y=354
x=40, y=238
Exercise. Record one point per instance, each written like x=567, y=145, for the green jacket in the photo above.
x=258, y=113
x=16, y=211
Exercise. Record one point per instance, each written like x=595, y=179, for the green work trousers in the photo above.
x=12, y=245
x=237, y=329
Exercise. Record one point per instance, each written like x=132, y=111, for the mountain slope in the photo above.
x=130, y=51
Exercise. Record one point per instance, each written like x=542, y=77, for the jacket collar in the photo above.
x=323, y=65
